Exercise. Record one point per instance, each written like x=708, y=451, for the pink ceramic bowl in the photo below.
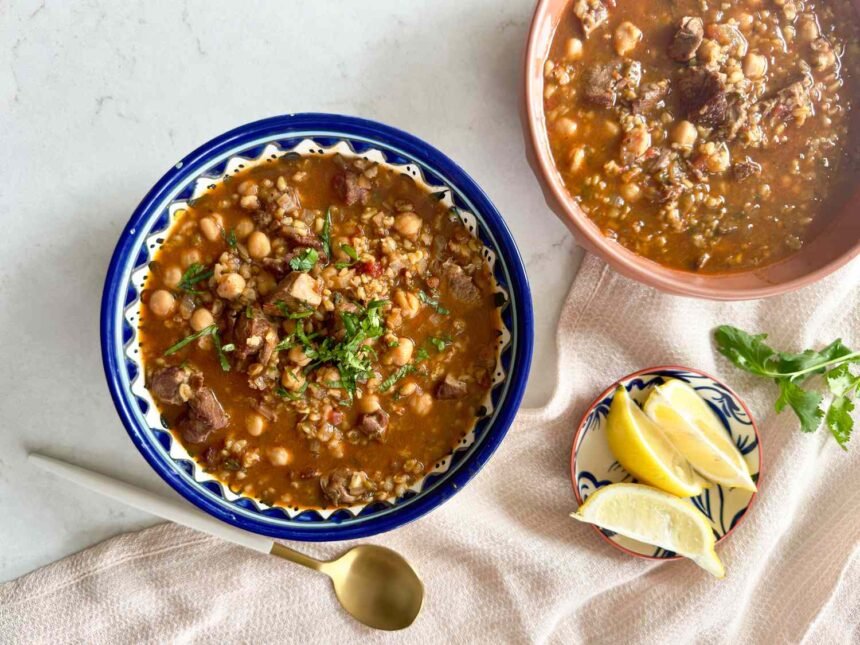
x=834, y=246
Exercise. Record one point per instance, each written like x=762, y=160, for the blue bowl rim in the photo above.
x=323, y=125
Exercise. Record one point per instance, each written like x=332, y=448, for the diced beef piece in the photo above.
x=343, y=485
x=296, y=291
x=591, y=14
x=703, y=97
x=251, y=333
x=737, y=117
x=791, y=102
x=650, y=97
x=166, y=385
x=205, y=416
x=745, y=169
x=351, y=187
x=687, y=39
x=451, y=388
x=374, y=425
x=600, y=82
x=301, y=239
x=461, y=285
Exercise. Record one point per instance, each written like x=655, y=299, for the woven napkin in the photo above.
x=502, y=561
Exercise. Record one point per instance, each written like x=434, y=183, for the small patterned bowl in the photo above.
x=593, y=466
x=257, y=143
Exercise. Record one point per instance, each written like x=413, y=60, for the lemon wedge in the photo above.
x=643, y=450
x=654, y=517
x=696, y=432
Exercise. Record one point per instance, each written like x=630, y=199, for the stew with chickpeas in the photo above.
x=319, y=331
x=706, y=135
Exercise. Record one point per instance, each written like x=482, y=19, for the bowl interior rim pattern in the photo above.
x=309, y=125
x=656, y=370
x=719, y=286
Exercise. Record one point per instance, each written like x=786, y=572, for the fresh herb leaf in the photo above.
x=440, y=343
x=790, y=371
x=222, y=357
x=394, y=343
x=427, y=300
x=326, y=233
x=194, y=274
x=230, y=237
x=351, y=252
x=422, y=354
x=249, y=311
x=293, y=396
x=305, y=260
x=206, y=331
x=396, y=376
x=286, y=343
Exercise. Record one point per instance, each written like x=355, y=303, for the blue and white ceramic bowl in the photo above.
x=309, y=134
x=593, y=465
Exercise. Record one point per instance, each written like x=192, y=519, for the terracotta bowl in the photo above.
x=834, y=246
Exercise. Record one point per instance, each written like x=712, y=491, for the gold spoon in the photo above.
x=375, y=585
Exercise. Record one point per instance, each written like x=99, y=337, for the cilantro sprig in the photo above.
x=211, y=330
x=432, y=302
x=791, y=371
x=325, y=235
x=193, y=274
x=351, y=253
x=305, y=260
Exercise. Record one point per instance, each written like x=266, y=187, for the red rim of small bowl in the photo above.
x=606, y=393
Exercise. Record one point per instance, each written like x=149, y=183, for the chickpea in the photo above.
x=255, y=424
x=265, y=283
x=172, y=276
x=408, y=303
x=201, y=319
x=368, y=404
x=231, y=286
x=422, y=404
x=408, y=225
x=297, y=355
x=408, y=389
x=565, y=127
x=755, y=66
x=210, y=228
x=250, y=202
x=573, y=49
x=808, y=28
x=630, y=192
x=259, y=245
x=709, y=51
x=627, y=36
x=189, y=257
x=401, y=354
x=293, y=379
x=244, y=228
x=720, y=160
x=684, y=134
x=279, y=456
x=248, y=187
x=161, y=303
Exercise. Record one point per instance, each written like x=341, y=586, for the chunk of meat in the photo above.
x=591, y=13
x=166, y=385
x=205, y=416
x=687, y=39
x=737, y=117
x=650, y=96
x=344, y=485
x=351, y=187
x=451, y=388
x=703, y=97
x=374, y=425
x=791, y=102
x=250, y=333
x=302, y=239
x=296, y=290
x=461, y=285
x=600, y=81
x=745, y=169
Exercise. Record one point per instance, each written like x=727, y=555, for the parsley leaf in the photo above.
x=427, y=300
x=395, y=376
x=194, y=274
x=326, y=233
x=305, y=260
x=230, y=237
x=206, y=331
x=440, y=343
x=790, y=371
x=351, y=252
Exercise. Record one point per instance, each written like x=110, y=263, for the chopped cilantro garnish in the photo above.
x=427, y=300
x=440, y=343
x=326, y=233
x=396, y=376
x=211, y=330
x=349, y=251
x=230, y=237
x=305, y=260
x=422, y=354
x=194, y=274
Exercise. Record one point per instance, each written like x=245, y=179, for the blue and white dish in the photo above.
x=593, y=465
x=309, y=134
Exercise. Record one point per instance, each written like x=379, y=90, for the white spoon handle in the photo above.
x=169, y=509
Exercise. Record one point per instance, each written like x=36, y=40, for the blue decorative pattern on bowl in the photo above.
x=593, y=465
x=253, y=143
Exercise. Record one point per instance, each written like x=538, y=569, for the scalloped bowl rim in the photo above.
x=606, y=393
x=383, y=137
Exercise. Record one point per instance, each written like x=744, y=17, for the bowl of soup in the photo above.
x=705, y=149
x=316, y=327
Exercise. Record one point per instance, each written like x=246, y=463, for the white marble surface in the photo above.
x=99, y=98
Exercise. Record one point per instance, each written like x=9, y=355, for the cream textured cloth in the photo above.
x=502, y=561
